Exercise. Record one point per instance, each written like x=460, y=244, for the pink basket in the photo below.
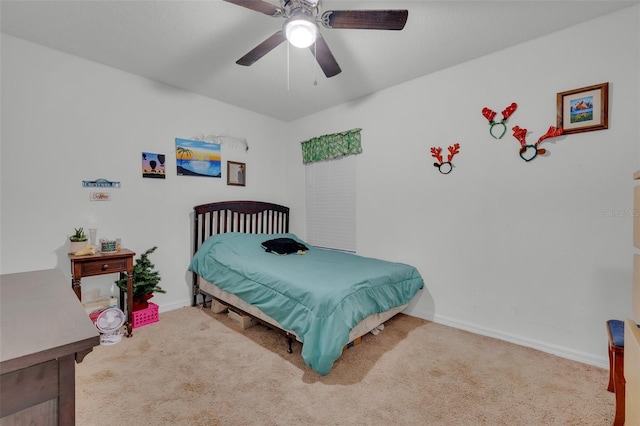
x=146, y=316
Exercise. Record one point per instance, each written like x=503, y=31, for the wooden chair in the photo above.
x=615, y=329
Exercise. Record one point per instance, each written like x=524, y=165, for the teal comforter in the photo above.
x=320, y=295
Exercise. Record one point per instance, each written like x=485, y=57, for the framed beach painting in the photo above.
x=236, y=173
x=198, y=158
x=584, y=109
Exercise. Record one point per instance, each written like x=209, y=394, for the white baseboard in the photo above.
x=560, y=351
x=174, y=305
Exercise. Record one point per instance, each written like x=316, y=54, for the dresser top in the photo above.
x=41, y=319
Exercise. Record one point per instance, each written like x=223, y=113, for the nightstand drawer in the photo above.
x=104, y=266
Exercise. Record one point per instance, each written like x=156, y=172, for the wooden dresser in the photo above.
x=44, y=332
x=631, y=331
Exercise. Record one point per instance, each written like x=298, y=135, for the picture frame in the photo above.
x=584, y=109
x=236, y=173
x=198, y=158
x=153, y=165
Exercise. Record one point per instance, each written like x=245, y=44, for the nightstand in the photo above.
x=105, y=263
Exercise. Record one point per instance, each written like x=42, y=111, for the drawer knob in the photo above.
x=105, y=267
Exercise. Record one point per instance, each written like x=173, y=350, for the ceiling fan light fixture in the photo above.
x=300, y=30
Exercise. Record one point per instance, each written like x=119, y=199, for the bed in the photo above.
x=322, y=298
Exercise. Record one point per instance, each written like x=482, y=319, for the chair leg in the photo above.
x=610, y=386
x=618, y=384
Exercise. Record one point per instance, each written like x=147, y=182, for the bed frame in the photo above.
x=250, y=217
x=254, y=217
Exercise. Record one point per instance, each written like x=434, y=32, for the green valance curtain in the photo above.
x=331, y=146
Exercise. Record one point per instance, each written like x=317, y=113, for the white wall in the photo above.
x=537, y=253
x=66, y=119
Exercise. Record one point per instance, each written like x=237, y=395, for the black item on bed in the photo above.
x=284, y=246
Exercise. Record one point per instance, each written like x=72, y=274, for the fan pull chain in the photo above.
x=288, y=66
x=315, y=67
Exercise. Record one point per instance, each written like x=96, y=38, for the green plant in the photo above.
x=145, y=279
x=78, y=236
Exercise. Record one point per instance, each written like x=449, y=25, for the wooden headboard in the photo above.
x=250, y=217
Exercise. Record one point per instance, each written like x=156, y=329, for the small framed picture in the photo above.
x=236, y=173
x=153, y=165
x=584, y=109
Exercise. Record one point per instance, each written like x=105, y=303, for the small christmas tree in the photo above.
x=145, y=279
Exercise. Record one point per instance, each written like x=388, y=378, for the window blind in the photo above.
x=331, y=203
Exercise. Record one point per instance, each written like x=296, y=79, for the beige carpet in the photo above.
x=194, y=367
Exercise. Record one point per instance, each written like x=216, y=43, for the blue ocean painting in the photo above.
x=198, y=158
x=581, y=109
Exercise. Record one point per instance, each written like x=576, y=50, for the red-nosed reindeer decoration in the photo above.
x=490, y=115
x=529, y=152
x=445, y=167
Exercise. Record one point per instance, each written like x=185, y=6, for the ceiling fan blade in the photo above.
x=258, y=6
x=365, y=19
x=262, y=49
x=325, y=58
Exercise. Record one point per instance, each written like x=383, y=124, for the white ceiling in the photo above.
x=193, y=45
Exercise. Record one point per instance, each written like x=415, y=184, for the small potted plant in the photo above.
x=145, y=281
x=78, y=240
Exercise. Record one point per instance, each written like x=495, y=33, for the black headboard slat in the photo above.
x=251, y=217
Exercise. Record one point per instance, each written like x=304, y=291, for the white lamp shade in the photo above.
x=300, y=32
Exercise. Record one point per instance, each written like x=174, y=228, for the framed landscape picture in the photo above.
x=584, y=109
x=198, y=158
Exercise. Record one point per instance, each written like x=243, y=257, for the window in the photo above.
x=331, y=203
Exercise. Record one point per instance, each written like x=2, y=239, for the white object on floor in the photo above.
x=96, y=305
x=377, y=330
x=109, y=323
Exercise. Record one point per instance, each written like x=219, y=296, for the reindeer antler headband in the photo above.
x=490, y=115
x=445, y=167
x=526, y=152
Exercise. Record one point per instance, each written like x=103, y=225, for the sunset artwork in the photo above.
x=153, y=165
x=198, y=158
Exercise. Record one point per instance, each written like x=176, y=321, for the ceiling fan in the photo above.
x=300, y=27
